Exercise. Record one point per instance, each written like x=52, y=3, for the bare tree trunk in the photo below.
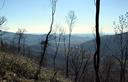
x=19, y=39
x=20, y=36
x=44, y=49
x=46, y=40
x=2, y=21
x=97, y=53
x=57, y=43
x=67, y=58
x=1, y=42
x=24, y=48
x=71, y=19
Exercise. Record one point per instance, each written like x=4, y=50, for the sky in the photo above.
x=35, y=15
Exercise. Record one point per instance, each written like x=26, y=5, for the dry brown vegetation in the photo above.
x=16, y=68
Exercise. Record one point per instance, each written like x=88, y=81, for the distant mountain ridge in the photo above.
x=109, y=44
x=34, y=39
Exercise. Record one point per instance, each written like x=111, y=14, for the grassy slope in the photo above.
x=14, y=68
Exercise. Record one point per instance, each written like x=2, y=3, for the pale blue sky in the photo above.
x=34, y=15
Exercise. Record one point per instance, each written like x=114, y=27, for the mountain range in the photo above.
x=109, y=43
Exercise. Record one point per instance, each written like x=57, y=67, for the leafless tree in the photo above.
x=97, y=53
x=45, y=43
x=24, y=46
x=2, y=21
x=79, y=62
x=58, y=36
x=121, y=31
x=20, y=36
x=71, y=19
x=64, y=45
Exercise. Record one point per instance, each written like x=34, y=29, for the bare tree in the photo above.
x=58, y=35
x=45, y=43
x=24, y=46
x=20, y=36
x=79, y=62
x=97, y=53
x=71, y=19
x=121, y=30
x=2, y=21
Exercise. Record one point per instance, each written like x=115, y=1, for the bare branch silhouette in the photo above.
x=121, y=30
